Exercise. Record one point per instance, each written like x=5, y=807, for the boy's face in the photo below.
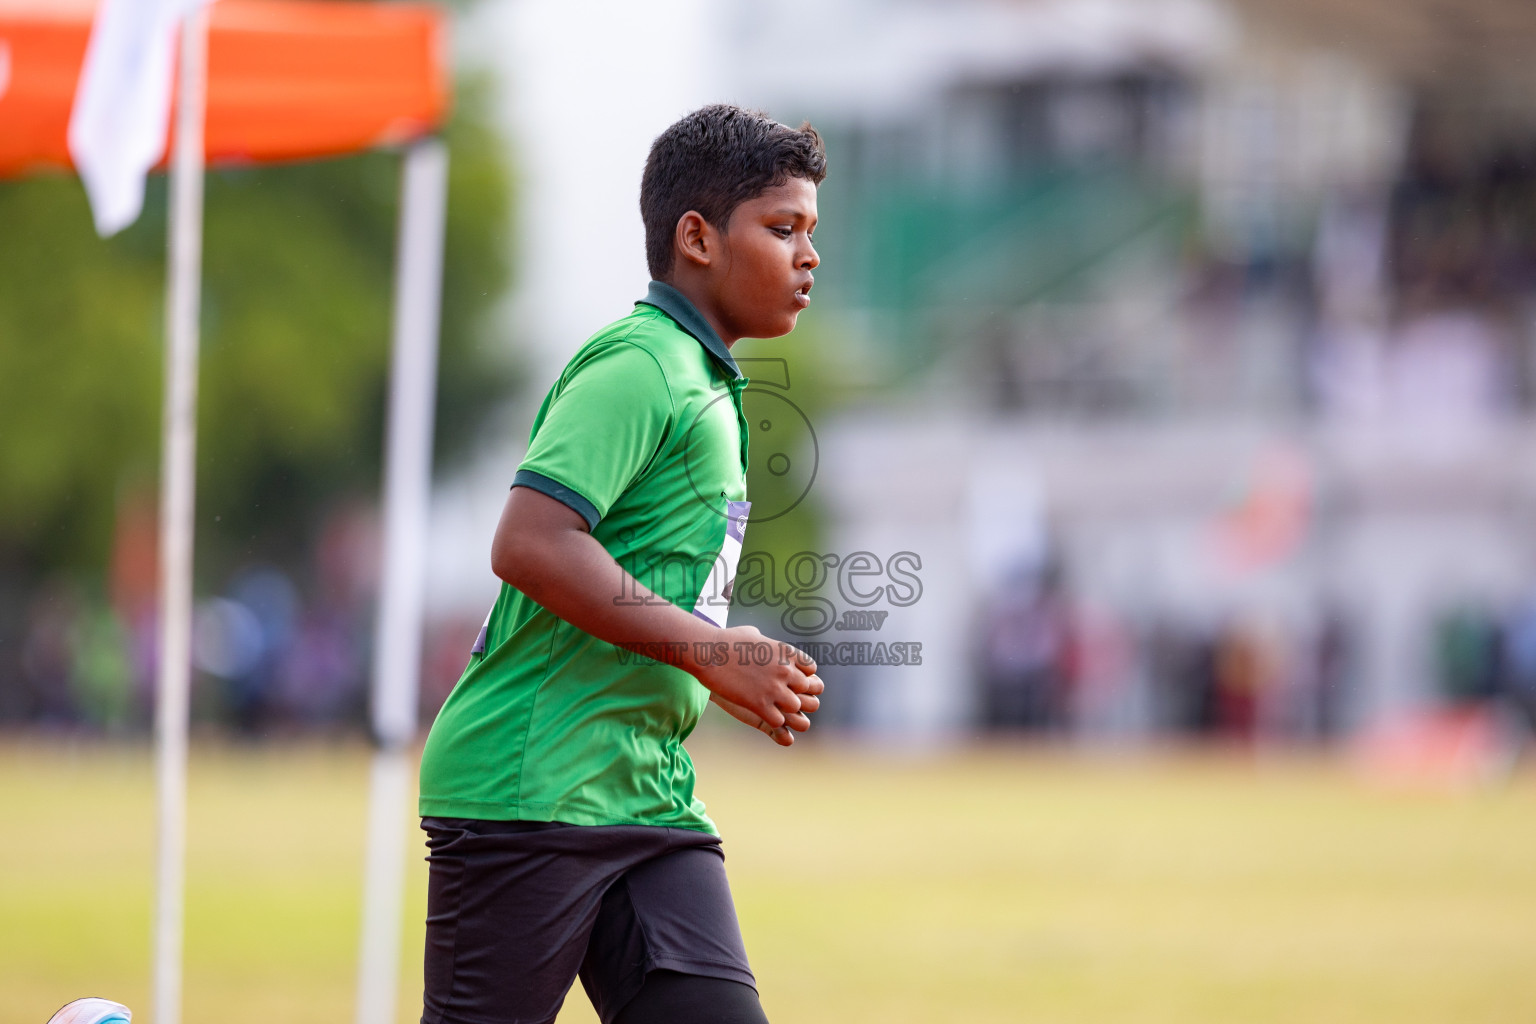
x=763, y=277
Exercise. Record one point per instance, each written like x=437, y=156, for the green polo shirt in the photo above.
x=644, y=436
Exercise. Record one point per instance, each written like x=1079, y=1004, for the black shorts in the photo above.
x=516, y=910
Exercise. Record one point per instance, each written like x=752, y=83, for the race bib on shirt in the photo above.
x=714, y=602
x=485, y=628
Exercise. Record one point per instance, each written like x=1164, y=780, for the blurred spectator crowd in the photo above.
x=275, y=651
x=1049, y=664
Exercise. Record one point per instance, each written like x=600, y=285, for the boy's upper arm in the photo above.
x=602, y=429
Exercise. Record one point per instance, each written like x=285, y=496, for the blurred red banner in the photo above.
x=287, y=79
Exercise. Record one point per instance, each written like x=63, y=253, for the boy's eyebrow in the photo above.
x=787, y=212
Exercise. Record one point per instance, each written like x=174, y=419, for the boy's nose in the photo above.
x=809, y=260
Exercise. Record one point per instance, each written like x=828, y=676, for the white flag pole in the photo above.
x=397, y=638
x=177, y=490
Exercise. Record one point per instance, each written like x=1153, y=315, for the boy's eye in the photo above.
x=783, y=232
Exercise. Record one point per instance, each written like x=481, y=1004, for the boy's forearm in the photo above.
x=542, y=548
x=572, y=575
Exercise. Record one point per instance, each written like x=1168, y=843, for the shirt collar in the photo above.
x=676, y=305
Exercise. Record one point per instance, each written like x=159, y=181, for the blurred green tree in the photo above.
x=296, y=313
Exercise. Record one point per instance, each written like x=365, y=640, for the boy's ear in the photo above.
x=695, y=239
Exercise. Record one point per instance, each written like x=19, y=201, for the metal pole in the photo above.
x=178, y=461
x=397, y=639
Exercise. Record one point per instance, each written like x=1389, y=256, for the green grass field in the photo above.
x=979, y=886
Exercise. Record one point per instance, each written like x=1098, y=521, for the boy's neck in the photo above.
x=695, y=288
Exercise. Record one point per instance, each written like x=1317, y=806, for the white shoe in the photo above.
x=92, y=1011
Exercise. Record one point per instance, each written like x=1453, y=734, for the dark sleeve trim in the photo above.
x=561, y=493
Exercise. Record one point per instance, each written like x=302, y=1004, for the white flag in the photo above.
x=117, y=129
x=5, y=66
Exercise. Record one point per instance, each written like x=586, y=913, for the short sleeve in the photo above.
x=603, y=427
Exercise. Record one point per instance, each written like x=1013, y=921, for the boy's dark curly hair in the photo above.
x=712, y=161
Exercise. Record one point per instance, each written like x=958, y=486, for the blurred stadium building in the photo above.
x=1208, y=334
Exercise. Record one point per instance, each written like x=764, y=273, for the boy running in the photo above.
x=557, y=797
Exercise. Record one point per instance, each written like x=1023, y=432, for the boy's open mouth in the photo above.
x=803, y=294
